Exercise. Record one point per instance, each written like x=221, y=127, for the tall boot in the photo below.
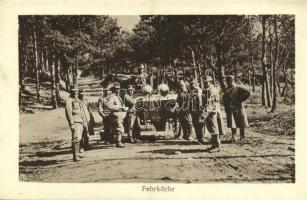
x=75, y=151
x=242, y=134
x=130, y=139
x=218, y=142
x=118, y=139
x=86, y=144
x=233, y=134
x=215, y=143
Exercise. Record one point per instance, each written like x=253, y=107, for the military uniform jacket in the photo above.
x=130, y=102
x=195, y=100
x=102, y=106
x=141, y=79
x=211, y=99
x=76, y=111
x=183, y=101
x=234, y=108
x=115, y=103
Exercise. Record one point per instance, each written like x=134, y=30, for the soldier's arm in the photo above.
x=129, y=101
x=244, y=94
x=100, y=108
x=68, y=112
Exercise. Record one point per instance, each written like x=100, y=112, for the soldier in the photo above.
x=234, y=108
x=117, y=115
x=84, y=143
x=77, y=119
x=211, y=107
x=105, y=113
x=195, y=109
x=132, y=120
x=141, y=78
x=184, y=112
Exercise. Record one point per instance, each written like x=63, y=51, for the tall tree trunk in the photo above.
x=42, y=61
x=52, y=73
x=46, y=60
x=57, y=76
x=274, y=106
x=21, y=69
x=75, y=71
x=253, y=79
x=268, y=91
x=67, y=79
x=200, y=76
x=249, y=79
x=263, y=59
x=271, y=59
x=194, y=65
x=37, y=70
x=220, y=65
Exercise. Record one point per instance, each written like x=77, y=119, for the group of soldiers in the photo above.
x=118, y=116
x=197, y=110
x=200, y=110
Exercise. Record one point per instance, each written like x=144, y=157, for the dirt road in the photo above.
x=45, y=156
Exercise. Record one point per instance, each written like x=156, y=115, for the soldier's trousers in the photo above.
x=186, y=124
x=117, y=124
x=78, y=131
x=132, y=125
x=85, y=138
x=197, y=125
x=212, y=124
x=106, y=135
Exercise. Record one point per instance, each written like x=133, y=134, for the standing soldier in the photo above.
x=195, y=109
x=84, y=143
x=210, y=110
x=105, y=113
x=117, y=114
x=234, y=108
x=184, y=112
x=141, y=78
x=132, y=120
x=77, y=119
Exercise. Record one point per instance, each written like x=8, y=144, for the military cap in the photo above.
x=82, y=91
x=130, y=87
x=116, y=86
x=141, y=66
x=207, y=79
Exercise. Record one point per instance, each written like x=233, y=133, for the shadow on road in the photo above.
x=36, y=163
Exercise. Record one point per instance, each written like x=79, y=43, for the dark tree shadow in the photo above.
x=52, y=153
x=174, y=151
x=36, y=163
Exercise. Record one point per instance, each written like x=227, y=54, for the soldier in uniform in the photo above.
x=195, y=109
x=141, y=78
x=210, y=110
x=117, y=114
x=105, y=113
x=184, y=112
x=132, y=120
x=234, y=107
x=77, y=119
x=84, y=143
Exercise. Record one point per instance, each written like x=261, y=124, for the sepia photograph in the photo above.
x=156, y=98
